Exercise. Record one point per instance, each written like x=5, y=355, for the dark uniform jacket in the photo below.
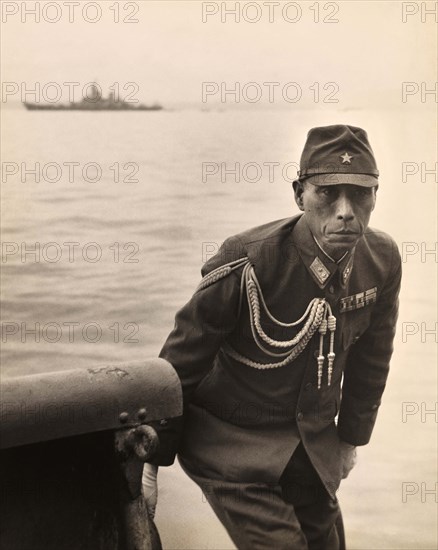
x=242, y=423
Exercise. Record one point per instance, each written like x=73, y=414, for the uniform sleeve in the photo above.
x=368, y=364
x=200, y=327
x=191, y=347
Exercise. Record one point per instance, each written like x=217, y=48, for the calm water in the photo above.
x=166, y=225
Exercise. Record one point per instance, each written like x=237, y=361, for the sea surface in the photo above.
x=116, y=257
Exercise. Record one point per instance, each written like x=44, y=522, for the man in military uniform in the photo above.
x=288, y=314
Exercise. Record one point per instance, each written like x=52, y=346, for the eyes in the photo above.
x=354, y=192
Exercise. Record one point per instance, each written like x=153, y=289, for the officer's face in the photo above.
x=337, y=215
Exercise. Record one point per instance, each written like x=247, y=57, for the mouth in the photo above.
x=344, y=236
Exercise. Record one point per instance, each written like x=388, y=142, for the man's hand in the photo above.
x=348, y=458
x=150, y=487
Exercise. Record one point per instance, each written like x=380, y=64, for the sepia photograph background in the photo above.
x=107, y=217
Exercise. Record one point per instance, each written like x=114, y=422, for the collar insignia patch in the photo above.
x=347, y=271
x=319, y=270
x=357, y=301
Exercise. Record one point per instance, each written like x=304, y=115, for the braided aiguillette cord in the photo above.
x=319, y=316
x=221, y=272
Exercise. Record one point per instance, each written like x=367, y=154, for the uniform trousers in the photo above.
x=297, y=513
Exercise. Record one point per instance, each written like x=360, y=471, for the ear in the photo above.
x=374, y=197
x=298, y=191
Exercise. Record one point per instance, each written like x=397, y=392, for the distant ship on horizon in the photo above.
x=100, y=103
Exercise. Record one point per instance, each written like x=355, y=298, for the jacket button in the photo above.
x=316, y=354
x=300, y=416
x=308, y=386
x=331, y=289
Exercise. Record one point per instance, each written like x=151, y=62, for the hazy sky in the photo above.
x=170, y=51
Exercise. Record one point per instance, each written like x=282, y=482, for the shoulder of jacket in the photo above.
x=243, y=248
x=380, y=240
x=382, y=247
x=240, y=245
x=267, y=232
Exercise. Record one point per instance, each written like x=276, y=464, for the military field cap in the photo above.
x=338, y=154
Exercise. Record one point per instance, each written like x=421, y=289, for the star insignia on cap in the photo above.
x=346, y=158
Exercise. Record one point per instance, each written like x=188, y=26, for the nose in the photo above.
x=344, y=208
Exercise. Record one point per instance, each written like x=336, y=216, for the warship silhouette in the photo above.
x=96, y=102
